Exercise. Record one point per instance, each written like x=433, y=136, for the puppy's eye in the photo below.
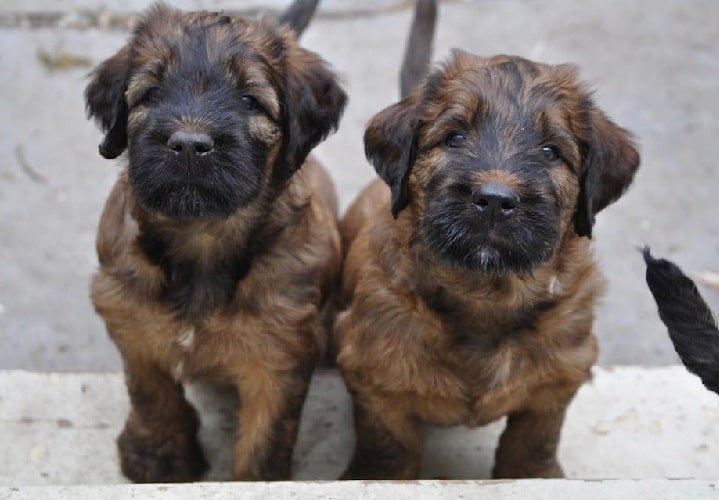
x=151, y=96
x=455, y=140
x=249, y=102
x=551, y=152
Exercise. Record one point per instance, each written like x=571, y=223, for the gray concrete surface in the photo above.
x=628, y=423
x=655, y=65
x=420, y=490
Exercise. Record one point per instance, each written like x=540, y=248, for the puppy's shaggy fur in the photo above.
x=476, y=300
x=216, y=254
x=692, y=327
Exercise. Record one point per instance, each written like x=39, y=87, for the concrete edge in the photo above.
x=666, y=489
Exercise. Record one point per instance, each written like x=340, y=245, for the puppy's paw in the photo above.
x=174, y=457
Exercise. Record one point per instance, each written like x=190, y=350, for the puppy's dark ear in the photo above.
x=105, y=102
x=609, y=161
x=312, y=108
x=390, y=145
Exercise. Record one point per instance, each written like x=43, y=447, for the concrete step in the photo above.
x=627, y=423
x=355, y=490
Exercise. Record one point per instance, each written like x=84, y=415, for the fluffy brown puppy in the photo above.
x=476, y=300
x=216, y=254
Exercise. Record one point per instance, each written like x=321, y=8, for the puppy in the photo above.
x=216, y=251
x=692, y=327
x=470, y=283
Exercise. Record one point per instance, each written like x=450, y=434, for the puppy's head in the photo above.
x=498, y=158
x=212, y=109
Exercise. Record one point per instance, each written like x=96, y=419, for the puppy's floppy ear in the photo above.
x=609, y=161
x=105, y=101
x=390, y=142
x=312, y=108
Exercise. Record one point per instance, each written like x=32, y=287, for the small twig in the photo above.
x=26, y=167
x=63, y=60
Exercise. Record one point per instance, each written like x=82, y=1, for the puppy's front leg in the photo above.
x=389, y=442
x=270, y=407
x=528, y=445
x=159, y=443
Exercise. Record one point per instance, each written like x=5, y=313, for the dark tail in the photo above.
x=418, y=52
x=692, y=327
x=298, y=15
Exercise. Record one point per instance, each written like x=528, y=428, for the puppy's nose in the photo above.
x=496, y=202
x=190, y=144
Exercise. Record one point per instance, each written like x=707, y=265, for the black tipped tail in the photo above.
x=418, y=52
x=298, y=15
x=690, y=322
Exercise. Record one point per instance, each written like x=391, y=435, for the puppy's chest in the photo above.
x=475, y=385
x=483, y=324
x=256, y=325
x=218, y=348
x=196, y=285
x=496, y=354
x=196, y=351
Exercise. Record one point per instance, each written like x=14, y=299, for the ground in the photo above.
x=654, y=65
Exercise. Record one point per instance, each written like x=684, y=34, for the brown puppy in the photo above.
x=476, y=301
x=216, y=255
